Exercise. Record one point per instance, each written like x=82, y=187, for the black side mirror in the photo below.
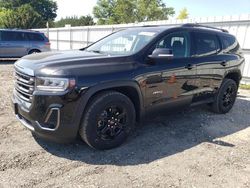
x=162, y=53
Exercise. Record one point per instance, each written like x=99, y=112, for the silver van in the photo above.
x=18, y=43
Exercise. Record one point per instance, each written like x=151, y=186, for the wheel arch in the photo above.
x=130, y=89
x=234, y=75
x=33, y=49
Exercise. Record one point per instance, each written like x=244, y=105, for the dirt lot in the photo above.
x=192, y=148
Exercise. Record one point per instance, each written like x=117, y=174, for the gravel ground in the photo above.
x=192, y=148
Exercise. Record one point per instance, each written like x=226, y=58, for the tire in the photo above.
x=98, y=129
x=34, y=51
x=226, y=97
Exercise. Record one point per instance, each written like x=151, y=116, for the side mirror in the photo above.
x=162, y=53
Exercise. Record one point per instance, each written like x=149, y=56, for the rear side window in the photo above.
x=13, y=36
x=35, y=37
x=206, y=44
x=229, y=43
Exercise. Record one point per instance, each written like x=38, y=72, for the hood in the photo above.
x=60, y=56
x=69, y=62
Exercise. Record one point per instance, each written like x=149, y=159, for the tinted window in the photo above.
x=206, y=44
x=178, y=42
x=35, y=37
x=229, y=43
x=12, y=36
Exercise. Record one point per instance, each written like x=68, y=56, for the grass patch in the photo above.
x=245, y=86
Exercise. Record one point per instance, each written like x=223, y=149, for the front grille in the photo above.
x=24, y=86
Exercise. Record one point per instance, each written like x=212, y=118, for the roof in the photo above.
x=20, y=30
x=161, y=28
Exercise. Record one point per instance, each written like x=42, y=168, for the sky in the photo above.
x=196, y=8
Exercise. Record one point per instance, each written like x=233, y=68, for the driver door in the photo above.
x=171, y=80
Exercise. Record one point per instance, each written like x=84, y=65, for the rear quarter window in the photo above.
x=229, y=43
x=35, y=37
x=206, y=44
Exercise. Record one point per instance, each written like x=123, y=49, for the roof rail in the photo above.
x=204, y=26
x=17, y=29
x=149, y=26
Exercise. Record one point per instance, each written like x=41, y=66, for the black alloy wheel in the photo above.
x=108, y=120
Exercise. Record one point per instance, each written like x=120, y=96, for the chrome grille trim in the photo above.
x=25, y=89
x=27, y=85
x=22, y=98
x=23, y=92
x=24, y=86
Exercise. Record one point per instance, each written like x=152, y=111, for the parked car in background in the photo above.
x=18, y=43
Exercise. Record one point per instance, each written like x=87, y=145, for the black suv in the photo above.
x=101, y=91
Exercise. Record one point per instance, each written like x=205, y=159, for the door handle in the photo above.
x=189, y=66
x=154, y=79
x=224, y=63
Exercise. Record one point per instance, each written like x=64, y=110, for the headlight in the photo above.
x=52, y=84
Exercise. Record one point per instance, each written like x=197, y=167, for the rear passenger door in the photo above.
x=13, y=44
x=4, y=45
x=210, y=65
x=1, y=45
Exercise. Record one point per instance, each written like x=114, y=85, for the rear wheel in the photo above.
x=34, y=51
x=226, y=97
x=108, y=120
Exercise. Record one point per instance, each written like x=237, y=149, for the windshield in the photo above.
x=124, y=42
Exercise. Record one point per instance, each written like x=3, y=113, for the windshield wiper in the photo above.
x=95, y=51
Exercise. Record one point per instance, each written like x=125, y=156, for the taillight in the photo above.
x=47, y=43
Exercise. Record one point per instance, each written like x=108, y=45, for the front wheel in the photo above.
x=108, y=120
x=226, y=97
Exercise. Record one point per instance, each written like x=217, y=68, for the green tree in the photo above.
x=75, y=21
x=124, y=11
x=104, y=11
x=128, y=11
x=183, y=14
x=45, y=8
x=153, y=10
x=24, y=17
x=2, y=15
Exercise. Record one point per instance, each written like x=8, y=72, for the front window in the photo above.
x=125, y=42
x=178, y=42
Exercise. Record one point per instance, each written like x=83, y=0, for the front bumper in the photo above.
x=53, y=121
x=25, y=123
